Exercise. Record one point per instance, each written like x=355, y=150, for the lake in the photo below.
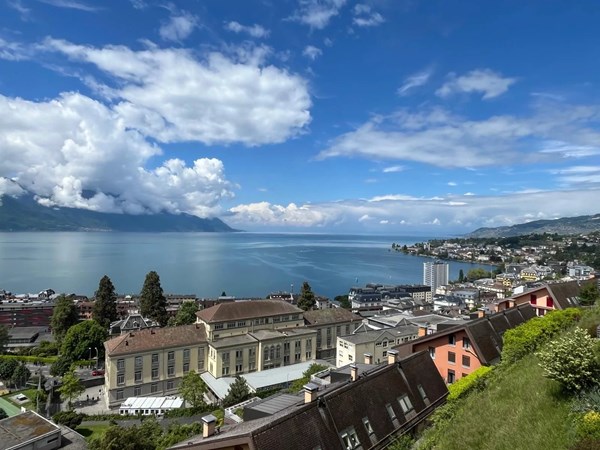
x=206, y=264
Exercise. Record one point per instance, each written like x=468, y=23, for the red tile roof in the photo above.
x=230, y=311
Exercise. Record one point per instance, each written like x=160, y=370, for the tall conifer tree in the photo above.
x=153, y=303
x=105, y=306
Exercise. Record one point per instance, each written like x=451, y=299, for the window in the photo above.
x=218, y=326
x=239, y=354
x=241, y=323
x=230, y=324
x=225, y=357
x=225, y=370
x=286, y=348
x=278, y=351
x=266, y=355
x=154, y=373
x=297, y=345
x=154, y=358
x=451, y=357
x=350, y=439
x=532, y=299
x=338, y=330
x=120, y=394
x=138, y=361
x=186, y=367
x=422, y=391
x=385, y=354
x=201, y=358
x=549, y=302
x=466, y=343
x=452, y=339
x=120, y=379
x=120, y=364
x=432, y=352
x=405, y=404
x=297, y=357
x=350, y=357
x=170, y=385
x=369, y=429
x=171, y=371
x=153, y=388
x=186, y=354
x=392, y=414
x=171, y=356
x=451, y=376
x=348, y=329
x=276, y=319
x=286, y=360
x=466, y=361
x=238, y=368
x=137, y=391
x=138, y=376
x=308, y=354
x=384, y=344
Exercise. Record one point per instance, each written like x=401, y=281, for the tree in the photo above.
x=20, y=376
x=3, y=414
x=64, y=316
x=186, y=314
x=306, y=375
x=153, y=303
x=238, y=392
x=478, y=273
x=461, y=276
x=3, y=337
x=344, y=302
x=589, y=294
x=71, y=387
x=105, y=305
x=82, y=337
x=192, y=389
x=570, y=360
x=61, y=366
x=7, y=367
x=142, y=437
x=70, y=419
x=307, y=298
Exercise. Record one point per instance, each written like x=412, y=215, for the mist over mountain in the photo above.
x=564, y=225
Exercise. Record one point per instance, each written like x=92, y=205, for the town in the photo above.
x=237, y=363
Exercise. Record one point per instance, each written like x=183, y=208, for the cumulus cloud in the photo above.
x=413, y=81
x=312, y=52
x=484, y=81
x=74, y=151
x=439, y=138
x=173, y=96
x=255, y=30
x=364, y=16
x=178, y=27
x=317, y=13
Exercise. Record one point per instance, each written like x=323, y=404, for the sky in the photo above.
x=384, y=116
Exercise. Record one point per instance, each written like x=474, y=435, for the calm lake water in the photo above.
x=206, y=264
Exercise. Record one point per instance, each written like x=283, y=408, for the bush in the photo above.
x=588, y=426
x=69, y=419
x=570, y=360
x=189, y=412
x=29, y=359
x=587, y=401
x=109, y=417
x=473, y=381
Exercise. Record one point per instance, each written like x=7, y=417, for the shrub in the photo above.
x=473, y=381
x=570, y=360
x=588, y=426
x=188, y=412
x=69, y=419
x=587, y=401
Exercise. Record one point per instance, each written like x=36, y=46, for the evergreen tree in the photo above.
x=153, y=303
x=461, y=276
x=105, y=306
x=238, y=392
x=3, y=337
x=64, y=316
x=307, y=298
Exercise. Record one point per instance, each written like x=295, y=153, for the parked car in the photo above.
x=97, y=372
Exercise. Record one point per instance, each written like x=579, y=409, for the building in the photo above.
x=152, y=361
x=375, y=343
x=547, y=297
x=457, y=351
x=133, y=322
x=330, y=324
x=395, y=399
x=29, y=430
x=147, y=406
x=26, y=313
x=435, y=274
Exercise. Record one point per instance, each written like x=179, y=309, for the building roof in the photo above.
x=152, y=403
x=318, y=423
x=370, y=336
x=275, y=403
x=23, y=427
x=155, y=338
x=329, y=315
x=240, y=310
x=565, y=294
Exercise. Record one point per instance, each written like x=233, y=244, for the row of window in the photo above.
x=260, y=321
x=137, y=391
x=155, y=358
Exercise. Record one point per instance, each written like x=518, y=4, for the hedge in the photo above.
x=30, y=359
x=475, y=380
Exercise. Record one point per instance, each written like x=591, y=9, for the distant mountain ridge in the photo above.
x=564, y=225
x=23, y=213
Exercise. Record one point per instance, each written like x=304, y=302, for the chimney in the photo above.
x=368, y=358
x=422, y=331
x=392, y=356
x=310, y=392
x=208, y=425
x=353, y=372
x=480, y=313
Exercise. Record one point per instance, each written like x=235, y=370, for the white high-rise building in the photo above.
x=435, y=274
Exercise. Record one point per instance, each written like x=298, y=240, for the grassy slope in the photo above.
x=520, y=409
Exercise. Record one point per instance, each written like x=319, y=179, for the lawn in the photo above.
x=91, y=431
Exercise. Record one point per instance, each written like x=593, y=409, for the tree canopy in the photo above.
x=82, y=337
x=105, y=305
x=238, y=392
x=478, y=273
x=20, y=376
x=589, y=294
x=7, y=368
x=3, y=337
x=64, y=316
x=186, y=314
x=192, y=389
x=344, y=301
x=71, y=387
x=307, y=298
x=153, y=303
x=306, y=375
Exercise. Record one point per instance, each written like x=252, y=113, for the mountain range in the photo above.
x=24, y=213
x=563, y=226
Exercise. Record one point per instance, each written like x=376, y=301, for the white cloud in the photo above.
x=172, y=96
x=394, y=169
x=317, y=13
x=264, y=213
x=179, y=27
x=13, y=51
x=9, y=187
x=71, y=4
x=364, y=217
x=437, y=137
x=384, y=222
x=63, y=149
x=255, y=30
x=485, y=81
x=365, y=17
x=415, y=80
x=18, y=6
x=579, y=175
x=452, y=183
x=312, y=52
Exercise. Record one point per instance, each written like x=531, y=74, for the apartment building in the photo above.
x=152, y=361
x=435, y=274
x=330, y=324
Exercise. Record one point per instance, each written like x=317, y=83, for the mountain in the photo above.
x=565, y=225
x=23, y=213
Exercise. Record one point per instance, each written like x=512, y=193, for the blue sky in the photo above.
x=394, y=117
